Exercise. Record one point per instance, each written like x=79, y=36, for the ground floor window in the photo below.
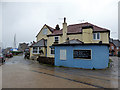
x=52, y=50
x=82, y=54
x=35, y=49
x=62, y=54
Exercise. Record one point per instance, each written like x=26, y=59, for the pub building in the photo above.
x=77, y=54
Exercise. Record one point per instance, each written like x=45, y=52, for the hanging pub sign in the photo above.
x=82, y=54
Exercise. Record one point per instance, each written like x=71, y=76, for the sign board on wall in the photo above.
x=82, y=54
x=62, y=54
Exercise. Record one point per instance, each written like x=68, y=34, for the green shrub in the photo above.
x=110, y=60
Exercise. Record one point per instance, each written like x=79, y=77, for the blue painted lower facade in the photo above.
x=99, y=57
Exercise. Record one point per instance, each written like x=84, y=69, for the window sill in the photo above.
x=96, y=39
x=52, y=54
x=36, y=53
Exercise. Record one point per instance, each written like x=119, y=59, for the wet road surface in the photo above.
x=20, y=73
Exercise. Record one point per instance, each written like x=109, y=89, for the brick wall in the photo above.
x=112, y=49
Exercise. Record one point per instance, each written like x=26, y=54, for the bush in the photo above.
x=46, y=60
x=109, y=62
x=16, y=52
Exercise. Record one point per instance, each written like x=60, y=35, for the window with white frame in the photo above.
x=112, y=47
x=63, y=54
x=52, y=50
x=117, y=48
x=45, y=31
x=56, y=38
x=96, y=36
x=35, y=49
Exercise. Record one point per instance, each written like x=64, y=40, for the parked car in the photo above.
x=9, y=55
x=2, y=58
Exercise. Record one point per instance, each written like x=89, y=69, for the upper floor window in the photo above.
x=96, y=36
x=45, y=31
x=112, y=47
x=56, y=39
x=117, y=48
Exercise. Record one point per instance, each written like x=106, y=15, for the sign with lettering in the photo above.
x=82, y=54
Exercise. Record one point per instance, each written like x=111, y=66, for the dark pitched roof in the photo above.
x=50, y=28
x=116, y=43
x=40, y=43
x=77, y=28
x=110, y=40
x=78, y=42
x=73, y=41
x=56, y=32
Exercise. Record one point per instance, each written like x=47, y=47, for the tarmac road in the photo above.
x=20, y=73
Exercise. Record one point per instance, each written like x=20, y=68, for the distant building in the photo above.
x=114, y=47
x=23, y=46
x=7, y=50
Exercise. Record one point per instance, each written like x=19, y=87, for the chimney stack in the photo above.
x=57, y=27
x=64, y=30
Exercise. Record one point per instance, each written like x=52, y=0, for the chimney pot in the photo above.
x=64, y=19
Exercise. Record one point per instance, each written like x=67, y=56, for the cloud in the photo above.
x=27, y=18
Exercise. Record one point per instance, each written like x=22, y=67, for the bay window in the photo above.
x=35, y=49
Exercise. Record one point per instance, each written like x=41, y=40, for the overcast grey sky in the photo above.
x=25, y=19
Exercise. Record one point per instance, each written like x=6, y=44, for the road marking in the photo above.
x=95, y=77
x=69, y=79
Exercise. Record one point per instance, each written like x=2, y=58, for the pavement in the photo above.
x=20, y=73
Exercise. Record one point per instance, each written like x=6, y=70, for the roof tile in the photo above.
x=77, y=28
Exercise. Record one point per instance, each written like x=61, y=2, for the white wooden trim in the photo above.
x=58, y=38
x=64, y=53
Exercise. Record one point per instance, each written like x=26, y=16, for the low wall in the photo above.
x=46, y=60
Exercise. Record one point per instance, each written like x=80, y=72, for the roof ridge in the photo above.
x=49, y=26
x=88, y=23
x=78, y=24
x=99, y=27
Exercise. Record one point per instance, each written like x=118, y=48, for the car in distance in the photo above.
x=2, y=59
x=9, y=55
